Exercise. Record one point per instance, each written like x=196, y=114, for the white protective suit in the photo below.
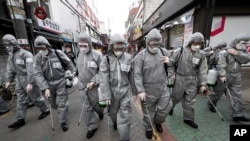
x=229, y=66
x=151, y=78
x=219, y=88
x=88, y=65
x=190, y=73
x=20, y=65
x=116, y=84
x=50, y=74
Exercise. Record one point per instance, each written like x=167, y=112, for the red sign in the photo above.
x=220, y=27
x=40, y=13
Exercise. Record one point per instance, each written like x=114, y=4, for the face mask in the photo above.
x=195, y=48
x=44, y=52
x=153, y=49
x=9, y=49
x=84, y=50
x=118, y=53
x=119, y=46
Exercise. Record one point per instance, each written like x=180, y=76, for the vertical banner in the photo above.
x=188, y=30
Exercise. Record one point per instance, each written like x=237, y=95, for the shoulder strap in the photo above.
x=176, y=64
x=60, y=59
x=107, y=57
x=165, y=65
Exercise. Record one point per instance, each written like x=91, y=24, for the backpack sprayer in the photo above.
x=70, y=80
x=103, y=104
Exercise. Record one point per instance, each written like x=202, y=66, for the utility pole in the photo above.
x=30, y=26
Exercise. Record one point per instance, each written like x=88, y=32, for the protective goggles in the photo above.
x=154, y=44
x=119, y=45
x=82, y=45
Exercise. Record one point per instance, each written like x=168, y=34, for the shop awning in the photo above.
x=94, y=40
x=49, y=36
x=65, y=39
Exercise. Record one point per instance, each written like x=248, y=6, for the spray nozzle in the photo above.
x=102, y=104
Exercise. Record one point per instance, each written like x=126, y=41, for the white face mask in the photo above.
x=84, y=50
x=118, y=53
x=195, y=48
x=9, y=48
x=44, y=52
x=153, y=49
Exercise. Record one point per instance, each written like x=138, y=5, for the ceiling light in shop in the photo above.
x=175, y=22
x=184, y=19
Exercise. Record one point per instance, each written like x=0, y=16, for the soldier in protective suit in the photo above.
x=49, y=70
x=189, y=69
x=229, y=66
x=151, y=82
x=20, y=65
x=88, y=64
x=116, y=83
x=219, y=88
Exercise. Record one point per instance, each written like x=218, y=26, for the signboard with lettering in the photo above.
x=40, y=13
x=49, y=25
x=22, y=41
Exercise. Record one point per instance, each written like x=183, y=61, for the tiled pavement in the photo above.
x=211, y=127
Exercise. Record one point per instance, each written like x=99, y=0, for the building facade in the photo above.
x=65, y=20
x=177, y=19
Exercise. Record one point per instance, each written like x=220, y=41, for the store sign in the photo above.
x=218, y=27
x=49, y=25
x=40, y=13
x=138, y=33
x=22, y=41
x=67, y=37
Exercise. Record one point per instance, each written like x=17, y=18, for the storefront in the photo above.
x=175, y=32
x=178, y=19
x=170, y=19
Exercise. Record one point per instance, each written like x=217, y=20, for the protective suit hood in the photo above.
x=9, y=39
x=84, y=36
x=154, y=34
x=41, y=41
x=195, y=37
x=117, y=38
x=221, y=45
x=241, y=37
x=208, y=49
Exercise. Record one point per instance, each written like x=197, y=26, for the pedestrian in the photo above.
x=218, y=89
x=189, y=70
x=88, y=64
x=151, y=82
x=210, y=53
x=229, y=66
x=20, y=65
x=49, y=67
x=68, y=51
x=116, y=84
x=3, y=107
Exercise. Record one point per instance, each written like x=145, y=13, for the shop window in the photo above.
x=176, y=36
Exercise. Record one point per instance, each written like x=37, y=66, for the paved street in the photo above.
x=211, y=127
x=40, y=130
